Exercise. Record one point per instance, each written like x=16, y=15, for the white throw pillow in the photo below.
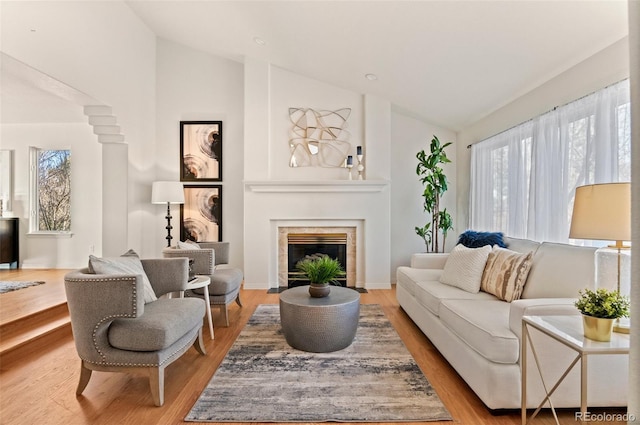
x=188, y=245
x=128, y=263
x=464, y=267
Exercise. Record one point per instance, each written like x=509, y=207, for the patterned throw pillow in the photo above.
x=464, y=267
x=506, y=273
x=128, y=263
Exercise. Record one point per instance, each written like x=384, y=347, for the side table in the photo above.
x=568, y=331
x=319, y=325
x=202, y=282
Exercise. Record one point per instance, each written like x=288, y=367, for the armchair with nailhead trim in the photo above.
x=115, y=331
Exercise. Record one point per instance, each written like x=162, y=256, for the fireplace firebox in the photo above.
x=300, y=245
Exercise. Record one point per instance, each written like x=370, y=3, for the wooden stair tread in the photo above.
x=20, y=332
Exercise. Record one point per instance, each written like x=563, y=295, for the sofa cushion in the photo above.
x=521, y=245
x=430, y=293
x=506, y=273
x=163, y=322
x=473, y=239
x=560, y=271
x=408, y=277
x=484, y=326
x=128, y=263
x=464, y=267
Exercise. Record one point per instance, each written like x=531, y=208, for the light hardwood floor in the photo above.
x=38, y=387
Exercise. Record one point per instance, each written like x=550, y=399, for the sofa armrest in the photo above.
x=167, y=274
x=538, y=307
x=429, y=260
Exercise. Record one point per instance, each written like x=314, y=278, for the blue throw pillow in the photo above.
x=473, y=239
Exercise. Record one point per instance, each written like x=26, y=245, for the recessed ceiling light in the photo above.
x=371, y=77
x=259, y=41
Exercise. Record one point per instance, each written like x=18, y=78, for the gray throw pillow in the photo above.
x=128, y=263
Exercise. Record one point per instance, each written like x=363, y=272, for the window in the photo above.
x=523, y=180
x=50, y=196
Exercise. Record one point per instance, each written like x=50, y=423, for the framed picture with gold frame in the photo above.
x=201, y=213
x=200, y=150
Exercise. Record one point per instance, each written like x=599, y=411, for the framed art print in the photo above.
x=201, y=213
x=201, y=150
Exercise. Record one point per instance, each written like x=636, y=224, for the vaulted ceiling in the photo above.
x=451, y=62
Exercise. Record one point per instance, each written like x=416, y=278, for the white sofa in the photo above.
x=479, y=334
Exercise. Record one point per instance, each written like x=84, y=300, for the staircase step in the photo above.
x=111, y=138
x=102, y=120
x=27, y=330
x=106, y=129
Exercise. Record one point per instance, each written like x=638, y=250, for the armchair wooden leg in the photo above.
x=238, y=301
x=85, y=375
x=226, y=315
x=199, y=344
x=156, y=382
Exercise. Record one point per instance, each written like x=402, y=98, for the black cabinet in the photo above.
x=9, y=248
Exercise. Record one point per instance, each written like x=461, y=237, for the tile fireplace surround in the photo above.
x=359, y=208
x=283, y=250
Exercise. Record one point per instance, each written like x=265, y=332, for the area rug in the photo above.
x=263, y=379
x=8, y=286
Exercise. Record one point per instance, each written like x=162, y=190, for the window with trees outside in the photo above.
x=50, y=196
x=523, y=180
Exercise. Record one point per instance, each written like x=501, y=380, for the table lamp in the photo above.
x=169, y=193
x=603, y=212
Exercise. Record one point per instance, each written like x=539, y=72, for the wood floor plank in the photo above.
x=39, y=387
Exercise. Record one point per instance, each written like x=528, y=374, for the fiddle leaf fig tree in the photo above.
x=435, y=183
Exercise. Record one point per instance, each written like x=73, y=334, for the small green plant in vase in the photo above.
x=600, y=308
x=321, y=270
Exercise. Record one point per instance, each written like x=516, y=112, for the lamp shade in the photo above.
x=167, y=192
x=602, y=212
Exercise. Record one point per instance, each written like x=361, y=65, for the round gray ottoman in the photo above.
x=319, y=325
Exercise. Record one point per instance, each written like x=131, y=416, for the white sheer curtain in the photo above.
x=523, y=180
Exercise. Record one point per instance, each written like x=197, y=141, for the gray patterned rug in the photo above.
x=8, y=286
x=262, y=379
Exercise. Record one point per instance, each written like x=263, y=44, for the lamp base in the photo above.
x=622, y=326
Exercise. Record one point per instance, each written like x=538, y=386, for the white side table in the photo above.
x=568, y=331
x=202, y=282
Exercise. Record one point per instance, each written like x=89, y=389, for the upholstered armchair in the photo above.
x=211, y=259
x=116, y=331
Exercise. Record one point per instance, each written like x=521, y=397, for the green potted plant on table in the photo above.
x=600, y=309
x=321, y=270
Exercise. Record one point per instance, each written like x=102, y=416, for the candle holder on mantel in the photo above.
x=360, y=156
x=349, y=165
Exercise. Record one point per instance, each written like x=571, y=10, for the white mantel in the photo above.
x=271, y=204
x=311, y=186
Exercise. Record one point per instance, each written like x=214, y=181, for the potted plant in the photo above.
x=600, y=308
x=321, y=270
x=435, y=185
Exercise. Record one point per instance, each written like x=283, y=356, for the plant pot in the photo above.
x=319, y=290
x=597, y=328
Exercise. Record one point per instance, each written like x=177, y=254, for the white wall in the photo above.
x=600, y=70
x=290, y=90
x=634, y=359
x=192, y=85
x=86, y=190
x=78, y=44
x=269, y=92
x=409, y=135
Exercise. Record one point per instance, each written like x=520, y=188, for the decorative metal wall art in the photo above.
x=201, y=214
x=201, y=150
x=318, y=137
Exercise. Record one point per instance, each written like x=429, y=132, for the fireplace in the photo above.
x=294, y=243
x=300, y=245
